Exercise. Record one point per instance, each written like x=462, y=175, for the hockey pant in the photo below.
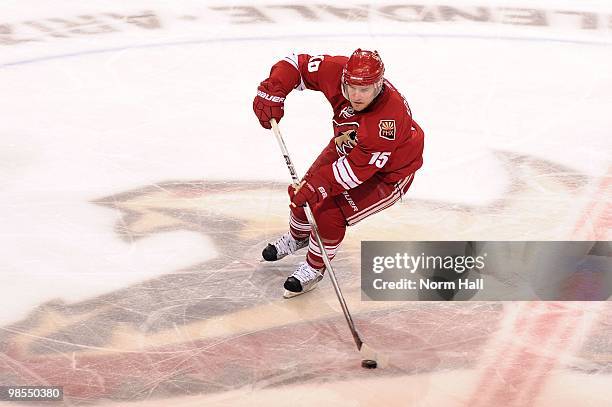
x=334, y=214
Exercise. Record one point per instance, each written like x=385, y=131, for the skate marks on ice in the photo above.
x=542, y=201
x=534, y=340
x=509, y=367
x=220, y=326
x=446, y=354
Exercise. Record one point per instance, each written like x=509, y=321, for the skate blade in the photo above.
x=290, y=294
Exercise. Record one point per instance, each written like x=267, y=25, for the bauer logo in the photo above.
x=323, y=192
x=271, y=98
x=387, y=129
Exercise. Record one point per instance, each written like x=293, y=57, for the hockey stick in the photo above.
x=367, y=353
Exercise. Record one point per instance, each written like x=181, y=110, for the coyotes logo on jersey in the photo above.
x=346, y=141
x=346, y=137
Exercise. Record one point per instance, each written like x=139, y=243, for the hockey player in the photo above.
x=368, y=165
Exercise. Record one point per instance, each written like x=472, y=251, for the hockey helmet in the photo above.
x=363, y=68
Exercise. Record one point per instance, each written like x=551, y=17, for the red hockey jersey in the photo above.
x=382, y=139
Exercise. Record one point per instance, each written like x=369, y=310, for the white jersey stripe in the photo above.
x=293, y=60
x=343, y=169
x=339, y=178
x=349, y=170
x=342, y=175
x=301, y=86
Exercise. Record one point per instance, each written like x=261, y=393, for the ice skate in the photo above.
x=283, y=246
x=304, y=279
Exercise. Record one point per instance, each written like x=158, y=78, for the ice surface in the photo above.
x=138, y=191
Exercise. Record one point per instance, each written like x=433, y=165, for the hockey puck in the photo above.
x=369, y=364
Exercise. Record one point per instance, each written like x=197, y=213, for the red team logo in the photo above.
x=346, y=137
x=387, y=129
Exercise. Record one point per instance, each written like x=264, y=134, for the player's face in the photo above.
x=360, y=96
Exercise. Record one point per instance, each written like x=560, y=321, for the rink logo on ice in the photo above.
x=101, y=346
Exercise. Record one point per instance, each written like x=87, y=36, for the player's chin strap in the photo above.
x=366, y=351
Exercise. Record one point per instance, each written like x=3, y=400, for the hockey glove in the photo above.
x=306, y=192
x=269, y=102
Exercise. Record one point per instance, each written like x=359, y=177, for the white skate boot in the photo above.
x=283, y=246
x=304, y=279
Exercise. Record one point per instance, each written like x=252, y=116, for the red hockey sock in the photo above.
x=332, y=227
x=298, y=224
